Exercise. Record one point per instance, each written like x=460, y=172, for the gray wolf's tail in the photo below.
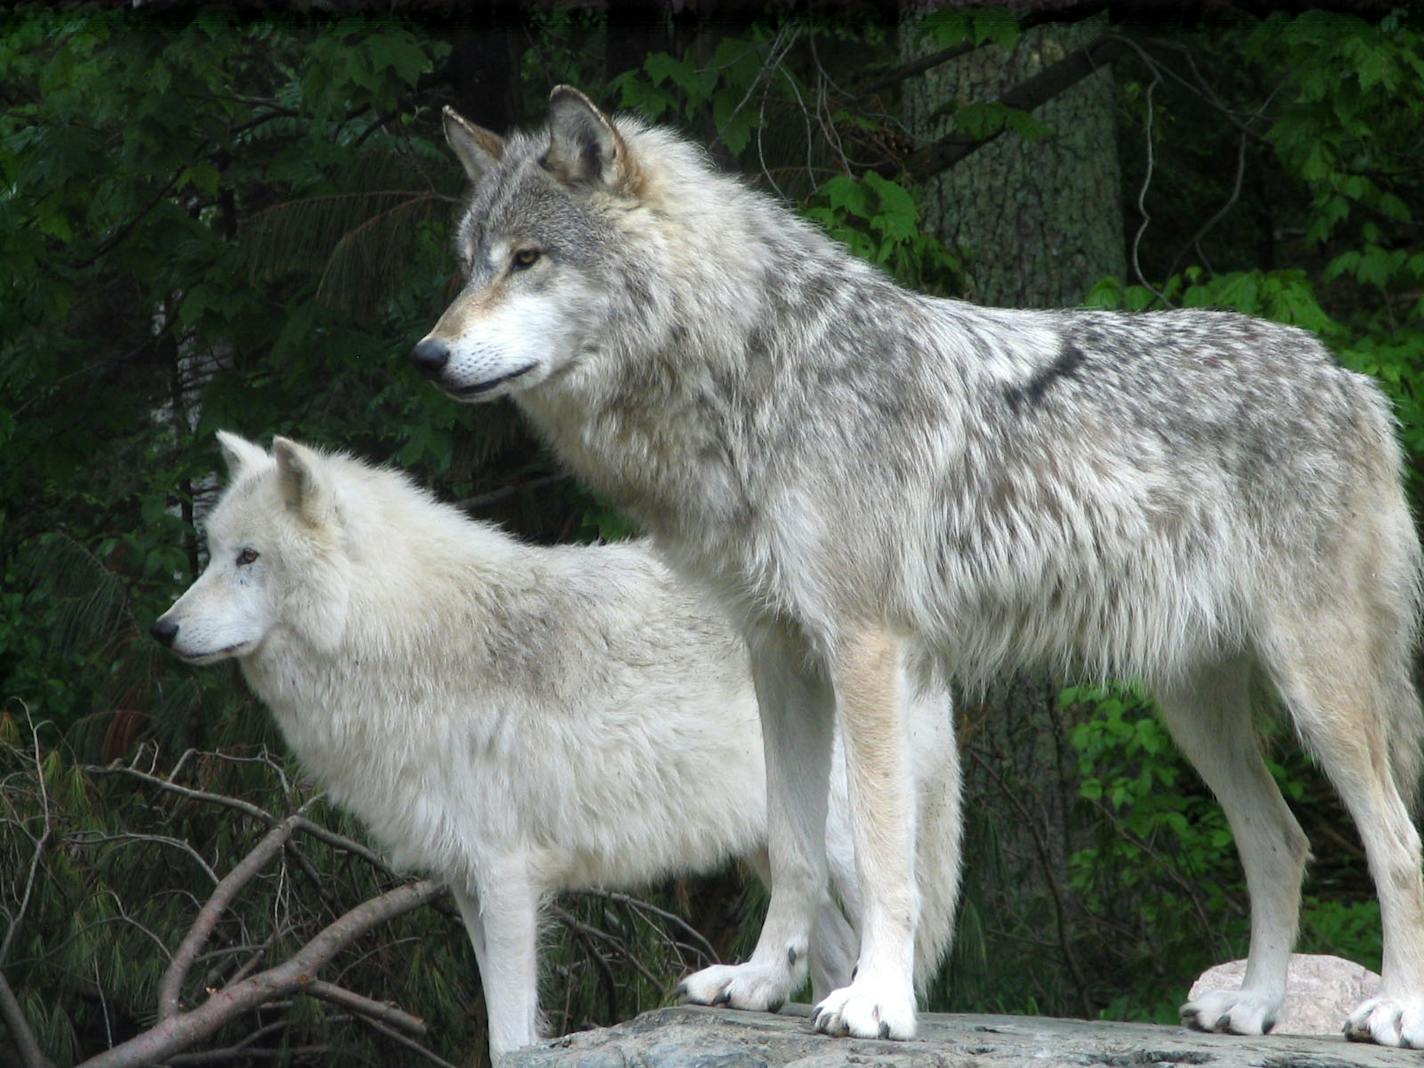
x=1400, y=575
x=1404, y=718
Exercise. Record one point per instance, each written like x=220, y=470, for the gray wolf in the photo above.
x=863, y=474
x=516, y=720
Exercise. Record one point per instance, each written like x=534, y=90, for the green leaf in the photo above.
x=202, y=176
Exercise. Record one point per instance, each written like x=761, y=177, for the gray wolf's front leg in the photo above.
x=880, y=1001
x=502, y=920
x=797, y=710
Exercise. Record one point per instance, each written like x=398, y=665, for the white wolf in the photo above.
x=1190, y=498
x=516, y=720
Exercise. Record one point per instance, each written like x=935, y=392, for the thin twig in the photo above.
x=364, y=1006
x=304, y=825
x=1142, y=199
x=128, y=837
x=1220, y=213
x=671, y=917
x=1045, y=856
x=469, y=504
x=410, y=1044
x=44, y=838
x=183, y=791
x=171, y=985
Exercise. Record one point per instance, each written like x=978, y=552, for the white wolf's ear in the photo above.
x=477, y=148
x=585, y=147
x=305, y=485
x=239, y=453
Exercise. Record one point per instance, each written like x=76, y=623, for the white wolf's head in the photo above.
x=276, y=558
x=538, y=246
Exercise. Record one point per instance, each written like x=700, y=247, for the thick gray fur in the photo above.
x=864, y=474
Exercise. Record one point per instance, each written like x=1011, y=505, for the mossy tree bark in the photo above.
x=1038, y=221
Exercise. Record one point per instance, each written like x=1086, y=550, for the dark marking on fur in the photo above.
x=791, y=956
x=1066, y=364
x=775, y=1006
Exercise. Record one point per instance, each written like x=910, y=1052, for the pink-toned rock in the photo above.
x=1320, y=991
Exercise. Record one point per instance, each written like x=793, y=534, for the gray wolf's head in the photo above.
x=543, y=268
x=276, y=558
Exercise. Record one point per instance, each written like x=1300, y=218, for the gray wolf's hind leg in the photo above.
x=1344, y=689
x=1209, y=717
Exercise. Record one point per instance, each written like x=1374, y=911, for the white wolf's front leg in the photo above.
x=797, y=710
x=502, y=920
x=880, y=1001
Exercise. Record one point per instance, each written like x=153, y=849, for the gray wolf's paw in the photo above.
x=868, y=1009
x=757, y=987
x=1389, y=1022
x=1236, y=1012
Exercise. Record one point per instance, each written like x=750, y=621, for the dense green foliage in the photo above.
x=209, y=222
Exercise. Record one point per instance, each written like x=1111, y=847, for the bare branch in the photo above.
x=915, y=67
x=241, y=1048
x=171, y=985
x=364, y=1006
x=19, y=1028
x=184, y=1030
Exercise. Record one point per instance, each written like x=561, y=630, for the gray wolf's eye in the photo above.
x=523, y=259
x=246, y=557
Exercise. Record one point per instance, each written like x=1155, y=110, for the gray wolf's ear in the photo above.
x=477, y=148
x=585, y=148
x=305, y=485
x=239, y=453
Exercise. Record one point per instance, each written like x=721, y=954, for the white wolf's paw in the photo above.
x=1389, y=1022
x=867, y=1009
x=1236, y=1012
x=756, y=987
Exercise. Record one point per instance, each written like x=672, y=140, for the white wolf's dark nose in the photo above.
x=430, y=356
x=165, y=630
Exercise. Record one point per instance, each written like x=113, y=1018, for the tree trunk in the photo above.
x=1038, y=222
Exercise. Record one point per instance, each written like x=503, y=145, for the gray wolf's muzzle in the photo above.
x=164, y=630
x=430, y=357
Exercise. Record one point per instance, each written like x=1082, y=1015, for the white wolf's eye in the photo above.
x=246, y=557
x=523, y=259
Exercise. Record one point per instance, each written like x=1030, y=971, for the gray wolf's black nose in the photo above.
x=430, y=356
x=165, y=630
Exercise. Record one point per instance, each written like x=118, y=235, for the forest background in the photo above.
x=241, y=220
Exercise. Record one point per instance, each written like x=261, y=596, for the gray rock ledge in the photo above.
x=693, y=1037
